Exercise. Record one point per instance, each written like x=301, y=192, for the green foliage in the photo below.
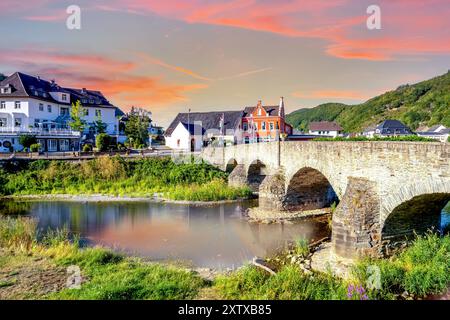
x=421, y=269
x=302, y=247
x=26, y=140
x=117, y=177
x=288, y=284
x=19, y=233
x=87, y=148
x=411, y=138
x=102, y=141
x=136, y=128
x=76, y=114
x=35, y=147
x=2, y=76
x=425, y=103
x=100, y=126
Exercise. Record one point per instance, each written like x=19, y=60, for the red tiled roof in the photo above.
x=325, y=126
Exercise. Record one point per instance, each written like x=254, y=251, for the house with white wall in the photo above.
x=325, y=129
x=34, y=106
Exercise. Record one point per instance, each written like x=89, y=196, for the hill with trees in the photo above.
x=424, y=103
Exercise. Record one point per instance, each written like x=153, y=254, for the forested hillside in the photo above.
x=424, y=103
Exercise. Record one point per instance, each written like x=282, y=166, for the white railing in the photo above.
x=39, y=131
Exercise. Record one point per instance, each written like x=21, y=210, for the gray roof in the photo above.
x=271, y=110
x=209, y=120
x=325, y=126
x=393, y=126
x=24, y=85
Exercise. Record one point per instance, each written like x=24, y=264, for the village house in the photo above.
x=438, y=132
x=194, y=130
x=391, y=128
x=34, y=106
x=325, y=129
x=265, y=123
x=251, y=125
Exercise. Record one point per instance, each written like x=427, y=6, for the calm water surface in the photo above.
x=215, y=236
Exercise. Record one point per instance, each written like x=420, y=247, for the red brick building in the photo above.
x=264, y=123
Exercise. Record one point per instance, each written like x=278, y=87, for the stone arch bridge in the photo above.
x=370, y=180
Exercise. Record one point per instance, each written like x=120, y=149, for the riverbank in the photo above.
x=157, y=198
x=116, y=178
x=40, y=269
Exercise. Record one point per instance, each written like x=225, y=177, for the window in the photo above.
x=271, y=126
x=255, y=126
x=3, y=122
x=17, y=122
x=245, y=126
x=36, y=123
x=98, y=113
x=52, y=145
x=64, y=111
x=64, y=97
x=277, y=125
x=3, y=105
x=86, y=111
x=49, y=108
x=263, y=127
x=41, y=107
x=259, y=111
x=17, y=105
x=64, y=145
x=91, y=101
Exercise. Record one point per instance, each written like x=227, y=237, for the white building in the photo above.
x=186, y=137
x=325, y=129
x=438, y=132
x=204, y=128
x=31, y=105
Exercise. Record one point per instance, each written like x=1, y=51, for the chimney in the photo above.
x=83, y=90
x=281, y=108
x=39, y=78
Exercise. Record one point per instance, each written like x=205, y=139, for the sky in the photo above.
x=169, y=56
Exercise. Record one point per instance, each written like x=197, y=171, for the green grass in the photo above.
x=421, y=269
x=117, y=177
x=108, y=275
x=288, y=284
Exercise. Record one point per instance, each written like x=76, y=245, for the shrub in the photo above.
x=35, y=147
x=102, y=141
x=26, y=140
x=87, y=148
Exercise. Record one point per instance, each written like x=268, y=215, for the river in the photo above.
x=216, y=236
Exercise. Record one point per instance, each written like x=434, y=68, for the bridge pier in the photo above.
x=272, y=192
x=356, y=229
x=238, y=177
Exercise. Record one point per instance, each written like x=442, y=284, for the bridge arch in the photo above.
x=256, y=173
x=231, y=165
x=309, y=189
x=416, y=209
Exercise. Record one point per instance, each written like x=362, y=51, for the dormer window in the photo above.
x=6, y=90
x=36, y=93
x=45, y=95
x=84, y=100
x=64, y=97
x=91, y=101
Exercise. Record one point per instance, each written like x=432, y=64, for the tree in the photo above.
x=136, y=127
x=26, y=140
x=2, y=76
x=100, y=126
x=102, y=141
x=76, y=122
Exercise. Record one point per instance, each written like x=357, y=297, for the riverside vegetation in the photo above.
x=117, y=177
x=26, y=253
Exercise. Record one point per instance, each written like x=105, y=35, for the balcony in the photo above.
x=55, y=132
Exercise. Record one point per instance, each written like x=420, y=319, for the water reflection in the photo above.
x=215, y=236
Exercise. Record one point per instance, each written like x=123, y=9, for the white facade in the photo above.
x=181, y=139
x=29, y=115
x=325, y=133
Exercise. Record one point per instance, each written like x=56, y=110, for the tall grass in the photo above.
x=18, y=233
x=117, y=177
x=288, y=284
x=421, y=269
